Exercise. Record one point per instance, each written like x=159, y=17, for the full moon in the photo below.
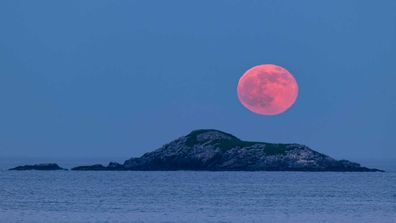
x=267, y=89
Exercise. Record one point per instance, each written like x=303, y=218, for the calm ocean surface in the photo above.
x=184, y=196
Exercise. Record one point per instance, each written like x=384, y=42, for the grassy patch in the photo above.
x=226, y=144
x=233, y=142
x=275, y=149
x=192, y=137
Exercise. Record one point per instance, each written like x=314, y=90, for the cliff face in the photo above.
x=220, y=151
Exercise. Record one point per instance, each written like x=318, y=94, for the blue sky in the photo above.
x=120, y=78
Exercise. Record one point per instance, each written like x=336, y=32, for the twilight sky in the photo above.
x=120, y=78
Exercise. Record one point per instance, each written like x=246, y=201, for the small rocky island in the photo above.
x=42, y=166
x=214, y=150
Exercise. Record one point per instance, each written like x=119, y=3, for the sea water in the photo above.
x=188, y=196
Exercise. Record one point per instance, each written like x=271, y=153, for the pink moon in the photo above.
x=267, y=89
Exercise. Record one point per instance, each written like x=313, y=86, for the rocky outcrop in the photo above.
x=96, y=167
x=42, y=166
x=214, y=150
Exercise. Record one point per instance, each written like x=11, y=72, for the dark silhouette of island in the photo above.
x=214, y=150
x=42, y=166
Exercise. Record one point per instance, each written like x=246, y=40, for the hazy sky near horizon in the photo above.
x=119, y=78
